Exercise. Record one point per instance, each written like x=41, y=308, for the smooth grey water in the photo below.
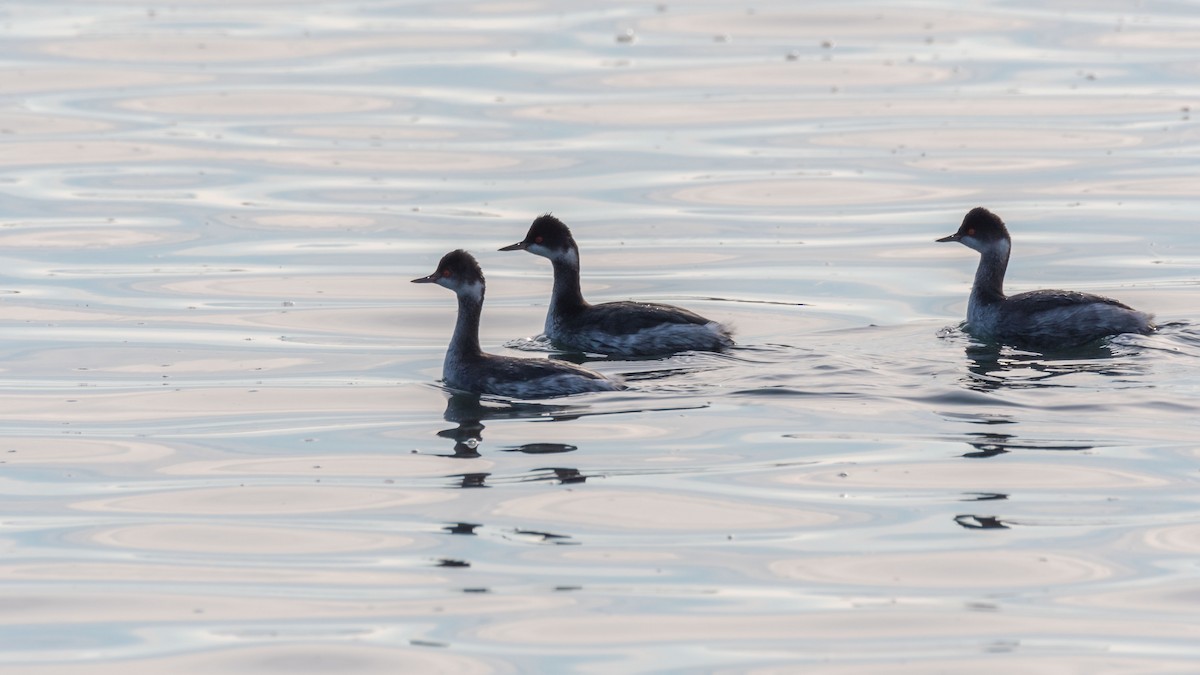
x=225, y=449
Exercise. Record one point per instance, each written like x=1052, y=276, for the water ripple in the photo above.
x=225, y=447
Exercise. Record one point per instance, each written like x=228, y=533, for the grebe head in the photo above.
x=459, y=272
x=549, y=238
x=982, y=231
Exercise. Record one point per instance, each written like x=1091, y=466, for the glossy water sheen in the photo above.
x=224, y=451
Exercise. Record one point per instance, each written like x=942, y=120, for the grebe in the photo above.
x=1049, y=318
x=469, y=368
x=623, y=328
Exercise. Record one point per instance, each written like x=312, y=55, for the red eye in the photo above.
x=537, y=240
x=970, y=232
x=446, y=273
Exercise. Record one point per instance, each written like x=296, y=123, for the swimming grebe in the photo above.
x=623, y=328
x=1055, y=319
x=468, y=368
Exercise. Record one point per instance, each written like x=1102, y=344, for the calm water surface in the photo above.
x=225, y=450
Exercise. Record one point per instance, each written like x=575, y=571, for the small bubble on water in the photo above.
x=626, y=36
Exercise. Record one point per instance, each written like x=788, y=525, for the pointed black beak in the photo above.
x=954, y=237
x=432, y=278
x=519, y=246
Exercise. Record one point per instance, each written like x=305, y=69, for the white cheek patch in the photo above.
x=568, y=256
x=472, y=290
x=999, y=247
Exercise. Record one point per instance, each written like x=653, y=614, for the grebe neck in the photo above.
x=465, y=341
x=566, y=298
x=989, y=276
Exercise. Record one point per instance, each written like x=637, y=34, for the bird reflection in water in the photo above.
x=993, y=366
x=469, y=411
x=973, y=522
x=984, y=497
x=558, y=475
x=471, y=480
x=993, y=444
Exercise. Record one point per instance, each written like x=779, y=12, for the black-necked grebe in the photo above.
x=468, y=368
x=1043, y=319
x=623, y=328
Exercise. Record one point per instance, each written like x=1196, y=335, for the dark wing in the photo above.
x=1060, y=319
x=540, y=378
x=627, y=317
x=508, y=369
x=1041, y=301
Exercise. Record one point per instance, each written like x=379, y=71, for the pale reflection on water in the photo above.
x=224, y=448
